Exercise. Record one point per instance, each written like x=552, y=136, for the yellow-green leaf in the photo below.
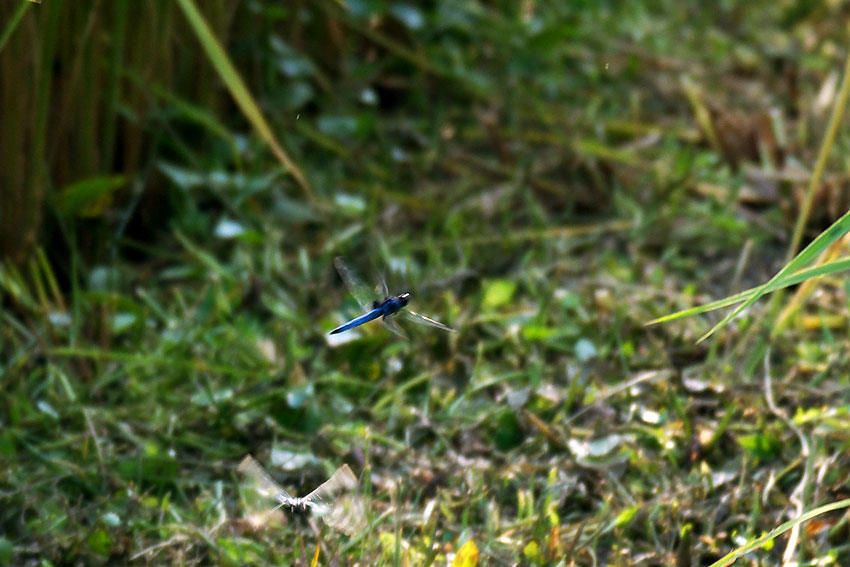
x=499, y=292
x=624, y=517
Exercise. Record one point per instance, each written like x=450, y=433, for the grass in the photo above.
x=536, y=179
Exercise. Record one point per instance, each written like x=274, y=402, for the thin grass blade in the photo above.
x=237, y=87
x=12, y=24
x=824, y=269
x=730, y=558
x=838, y=229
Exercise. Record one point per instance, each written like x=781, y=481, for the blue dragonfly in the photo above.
x=375, y=309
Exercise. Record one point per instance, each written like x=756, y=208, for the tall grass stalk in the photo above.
x=239, y=90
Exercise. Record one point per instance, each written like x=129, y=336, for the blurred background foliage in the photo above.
x=545, y=176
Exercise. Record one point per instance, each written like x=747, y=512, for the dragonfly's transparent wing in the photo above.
x=419, y=318
x=391, y=324
x=341, y=481
x=260, y=481
x=346, y=514
x=382, y=288
x=358, y=289
x=338, y=502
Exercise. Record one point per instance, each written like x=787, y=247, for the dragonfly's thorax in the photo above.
x=296, y=504
x=393, y=305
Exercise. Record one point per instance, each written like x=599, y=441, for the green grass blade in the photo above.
x=823, y=155
x=838, y=229
x=733, y=556
x=825, y=269
x=12, y=24
x=237, y=87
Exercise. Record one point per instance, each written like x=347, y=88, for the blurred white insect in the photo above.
x=336, y=500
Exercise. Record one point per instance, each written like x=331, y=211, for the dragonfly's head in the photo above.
x=403, y=298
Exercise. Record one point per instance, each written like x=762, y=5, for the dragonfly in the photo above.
x=336, y=500
x=375, y=309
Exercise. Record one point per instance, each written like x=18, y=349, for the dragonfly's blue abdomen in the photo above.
x=356, y=322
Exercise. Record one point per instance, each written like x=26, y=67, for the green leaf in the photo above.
x=508, y=433
x=531, y=551
x=338, y=126
x=538, y=332
x=352, y=204
x=150, y=470
x=499, y=292
x=99, y=542
x=88, y=197
x=7, y=445
x=626, y=516
x=763, y=446
x=6, y=549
